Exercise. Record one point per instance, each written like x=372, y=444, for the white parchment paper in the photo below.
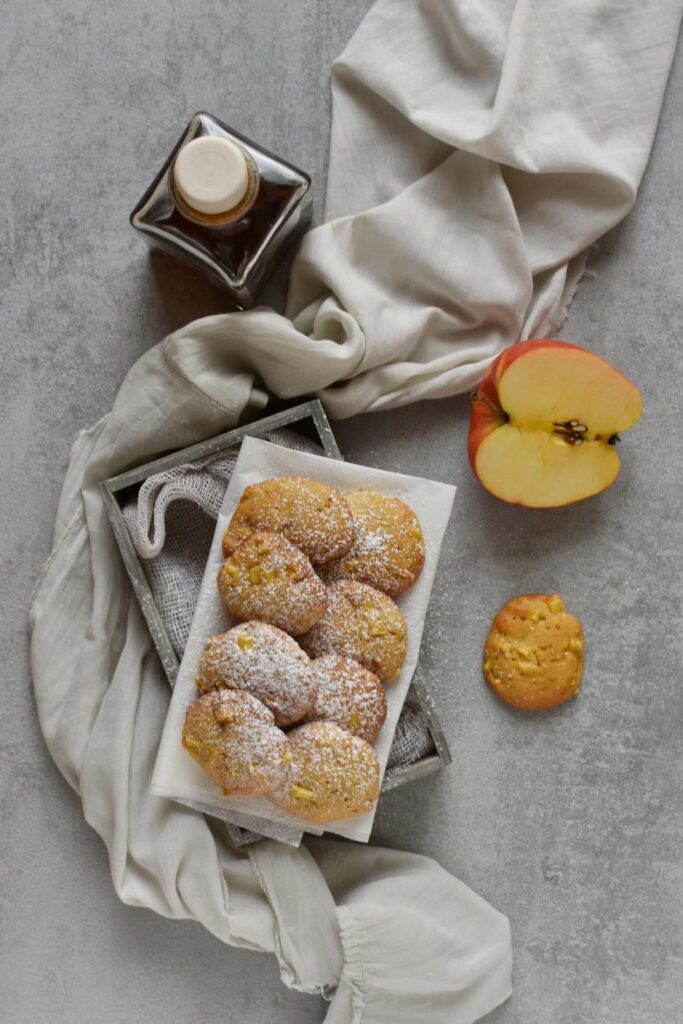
x=176, y=774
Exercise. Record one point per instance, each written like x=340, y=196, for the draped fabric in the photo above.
x=478, y=149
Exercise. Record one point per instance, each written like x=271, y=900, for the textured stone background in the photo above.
x=571, y=823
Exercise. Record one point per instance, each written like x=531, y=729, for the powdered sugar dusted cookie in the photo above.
x=363, y=624
x=269, y=579
x=264, y=661
x=332, y=775
x=388, y=551
x=348, y=694
x=312, y=515
x=235, y=740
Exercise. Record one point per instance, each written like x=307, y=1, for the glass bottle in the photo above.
x=226, y=206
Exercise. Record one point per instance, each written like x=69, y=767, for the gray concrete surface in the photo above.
x=571, y=823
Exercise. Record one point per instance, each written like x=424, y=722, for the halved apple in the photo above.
x=545, y=421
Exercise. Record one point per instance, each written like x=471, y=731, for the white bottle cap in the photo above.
x=211, y=174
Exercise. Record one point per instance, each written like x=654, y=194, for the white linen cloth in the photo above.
x=478, y=149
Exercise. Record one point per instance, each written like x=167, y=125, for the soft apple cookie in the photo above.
x=264, y=661
x=364, y=624
x=332, y=775
x=348, y=694
x=533, y=657
x=388, y=551
x=312, y=515
x=235, y=740
x=269, y=579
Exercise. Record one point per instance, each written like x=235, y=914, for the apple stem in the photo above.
x=476, y=396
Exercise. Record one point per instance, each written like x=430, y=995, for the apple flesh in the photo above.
x=544, y=424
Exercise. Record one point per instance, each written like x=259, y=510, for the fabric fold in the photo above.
x=477, y=152
x=440, y=954
x=307, y=940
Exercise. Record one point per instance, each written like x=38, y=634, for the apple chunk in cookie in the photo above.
x=545, y=421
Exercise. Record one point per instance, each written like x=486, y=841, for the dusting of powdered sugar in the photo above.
x=265, y=662
x=332, y=775
x=371, y=542
x=348, y=694
x=234, y=738
x=363, y=624
x=311, y=515
x=269, y=579
x=388, y=550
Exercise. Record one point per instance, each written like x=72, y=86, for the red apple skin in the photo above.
x=485, y=416
x=486, y=413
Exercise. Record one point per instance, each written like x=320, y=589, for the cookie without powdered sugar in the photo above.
x=269, y=579
x=311, y=515
x=264, y=661
x=533, y=657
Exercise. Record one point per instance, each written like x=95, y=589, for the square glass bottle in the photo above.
x=226, y=206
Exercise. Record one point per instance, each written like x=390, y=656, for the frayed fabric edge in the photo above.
x=353, y=976
x=560, y=317
x=353, y=973
x=69, y=531
x=288, y=975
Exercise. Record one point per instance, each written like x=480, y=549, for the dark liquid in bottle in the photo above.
x=242, y=253
x=236, y=245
